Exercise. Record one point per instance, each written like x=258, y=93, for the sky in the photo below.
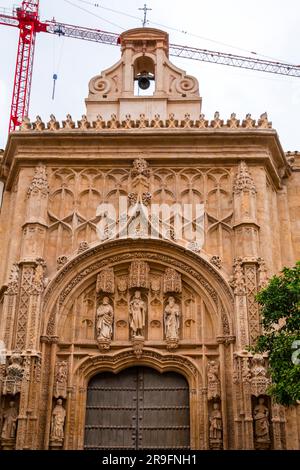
x=268, y=27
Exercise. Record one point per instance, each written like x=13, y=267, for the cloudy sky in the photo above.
x=268, y=27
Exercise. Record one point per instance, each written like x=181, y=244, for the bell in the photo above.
x=144, y=83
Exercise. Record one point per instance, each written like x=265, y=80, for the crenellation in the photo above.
x=144, y=122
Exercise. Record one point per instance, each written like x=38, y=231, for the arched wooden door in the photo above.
x=138, y=408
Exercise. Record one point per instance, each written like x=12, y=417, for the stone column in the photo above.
x=245, y=223
x=247, y=411
x=205, y=418
x=10, y=308
x=287, y=255
x=35, y=227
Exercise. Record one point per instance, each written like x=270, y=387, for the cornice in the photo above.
x=115, y=147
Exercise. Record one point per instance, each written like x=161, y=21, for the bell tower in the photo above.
x=143, y=82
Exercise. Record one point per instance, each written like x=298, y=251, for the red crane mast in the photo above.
x=28, y=23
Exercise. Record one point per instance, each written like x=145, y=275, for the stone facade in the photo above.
x=80, y=296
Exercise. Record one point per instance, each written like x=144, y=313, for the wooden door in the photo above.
x=137, y=409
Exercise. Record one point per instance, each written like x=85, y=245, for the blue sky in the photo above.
x=268, y=27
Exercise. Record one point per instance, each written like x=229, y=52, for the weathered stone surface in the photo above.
x=83, y=293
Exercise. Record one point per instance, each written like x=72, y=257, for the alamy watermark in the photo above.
x=140, y=219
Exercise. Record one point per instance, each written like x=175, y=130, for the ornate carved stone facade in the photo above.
x=96, y=275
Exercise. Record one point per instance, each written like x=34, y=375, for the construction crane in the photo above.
x=26, y=19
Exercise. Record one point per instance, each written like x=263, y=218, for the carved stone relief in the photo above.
x=14, y=375
x=172, y=317
x=104, y=323
x=57, y=425
x=172, y=281
x=106, y=281
x=137, y=314
x=215, y=427
x=61, y=379
x=139, y=275
x=213, y=380
x=9, y=426
x=261, y=424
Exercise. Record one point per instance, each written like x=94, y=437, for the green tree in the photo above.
x=280, y=312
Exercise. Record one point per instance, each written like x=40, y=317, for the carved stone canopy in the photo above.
x=14, y=375
x=106, y=281
x=139, y=274
x=243, y=181
x=172, y=281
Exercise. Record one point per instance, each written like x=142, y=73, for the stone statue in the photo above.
x=105, y=318
x=215, y=423
x=213, y=380
x=57, y=422
x=172, y=319
x=10, y=422
x=137, y=314
x=261, y=421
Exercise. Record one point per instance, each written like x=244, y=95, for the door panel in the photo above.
x=137, y=409
x=111, y=411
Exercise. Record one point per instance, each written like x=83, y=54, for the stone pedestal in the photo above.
x=103, y=344
x=8, y=444
x=172, y=343
x=56, y=444
x=138, y=345
x=215, y=444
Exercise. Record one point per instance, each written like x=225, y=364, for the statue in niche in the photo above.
x=215, y=423
x=172, y=319
x=58, y=421
x=261, y=421
x=10, y=422
x=105, y=318
x=137, y=314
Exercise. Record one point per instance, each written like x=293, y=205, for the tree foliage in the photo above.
x=280, y=312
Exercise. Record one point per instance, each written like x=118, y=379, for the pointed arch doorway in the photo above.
x=138, y=408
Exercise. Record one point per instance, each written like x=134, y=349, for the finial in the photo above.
x=145, y=10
